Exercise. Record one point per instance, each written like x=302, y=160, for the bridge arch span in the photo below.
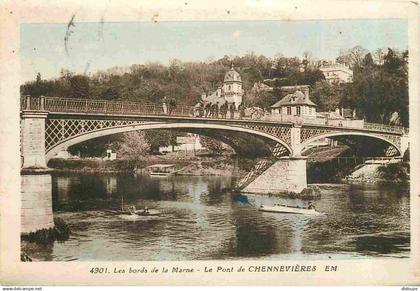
x=350, y=135
x=195, y=127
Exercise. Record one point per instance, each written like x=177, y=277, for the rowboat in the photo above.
x=148, y=212
x=142, y=212
x=288, y=209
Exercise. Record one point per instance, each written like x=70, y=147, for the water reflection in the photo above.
x=201, y=219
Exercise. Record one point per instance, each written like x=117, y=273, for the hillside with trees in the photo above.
x=379, y=92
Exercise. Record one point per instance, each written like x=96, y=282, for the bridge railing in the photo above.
x=355, y=160
x=70, y=105
x=383, y=127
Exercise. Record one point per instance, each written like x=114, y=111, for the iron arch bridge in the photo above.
x=50, y=124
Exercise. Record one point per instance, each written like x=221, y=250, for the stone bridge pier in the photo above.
x=36, y=188
x=33, y=139
x=36, y=199
x=286, y=174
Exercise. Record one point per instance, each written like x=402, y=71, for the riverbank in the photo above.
x=392, y=173
x=190, y=165
x=93, y=165
x=325, y=170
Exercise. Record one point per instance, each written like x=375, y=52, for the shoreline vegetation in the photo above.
x=33, y=241
x=323, y=171
x=189, y=165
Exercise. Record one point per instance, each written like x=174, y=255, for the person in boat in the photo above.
x=311, y=206
x=146, y=210
x=132, y=209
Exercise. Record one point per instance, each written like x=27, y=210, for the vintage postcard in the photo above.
x=209, y=143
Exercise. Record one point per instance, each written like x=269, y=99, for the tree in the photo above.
x=38, y=78
x=250, y=76
x=79, y=86
x=382, y=90
x=212, y=145
x=36, y=89
x=96, y=147
x=352, y=58
x=133, y=145
x=326, y=96
x=379, y=56
x=160, y=138
x=262, y=99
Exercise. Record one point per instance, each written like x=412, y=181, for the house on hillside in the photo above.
x=337, y=73
x=296, y=103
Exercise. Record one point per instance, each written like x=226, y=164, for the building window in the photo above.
x=229, y=87
x=298, y=110
x=289, y=110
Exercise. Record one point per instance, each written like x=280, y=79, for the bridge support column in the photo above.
x=36, y=211
x=33, y=139
x=405, y=142
x=288, y=174
x=295, y=143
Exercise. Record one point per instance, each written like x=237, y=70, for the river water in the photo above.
x=201, y=219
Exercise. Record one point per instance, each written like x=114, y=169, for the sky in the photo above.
x=99, y=46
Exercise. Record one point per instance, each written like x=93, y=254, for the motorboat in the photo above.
x=288, y=209
x=162, y=170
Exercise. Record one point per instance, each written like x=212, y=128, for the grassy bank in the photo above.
x=94, y=165
x=212, y=165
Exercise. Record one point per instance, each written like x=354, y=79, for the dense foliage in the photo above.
x=398, y=173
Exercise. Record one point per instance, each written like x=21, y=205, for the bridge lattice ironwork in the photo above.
x=69, y=118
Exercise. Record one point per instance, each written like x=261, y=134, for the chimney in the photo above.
x=306, y=92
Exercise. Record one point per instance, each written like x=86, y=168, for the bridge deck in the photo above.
x=128, y=110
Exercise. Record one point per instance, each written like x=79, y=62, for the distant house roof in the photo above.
x=297, y=98
x=336, y=67
x=259, y=86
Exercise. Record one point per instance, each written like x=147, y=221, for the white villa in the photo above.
x=337, y=73
x=230, y=91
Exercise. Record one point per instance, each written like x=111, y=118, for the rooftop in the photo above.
x=232, y=76
x=296, y=98
x=336, y=67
